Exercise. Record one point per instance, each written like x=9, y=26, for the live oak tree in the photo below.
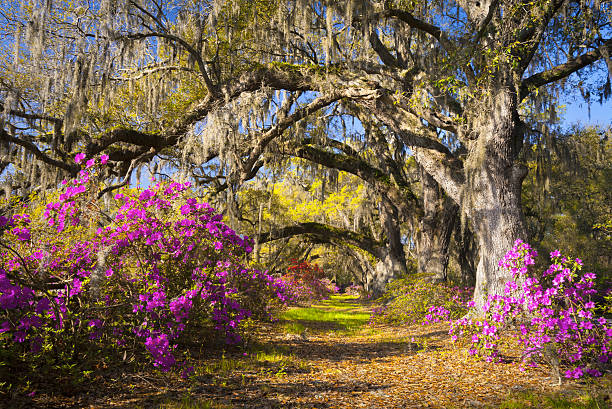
x=389, y=252
x=229, y=83
x=333, y=209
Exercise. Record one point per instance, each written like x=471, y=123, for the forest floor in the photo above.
x=327, y=356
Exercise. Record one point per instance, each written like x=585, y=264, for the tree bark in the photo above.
x=467, y=254
x=492, y=195
x=486, y=183
x=436, y=227
x=393, y=261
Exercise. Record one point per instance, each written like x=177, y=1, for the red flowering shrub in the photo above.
x=307, y=282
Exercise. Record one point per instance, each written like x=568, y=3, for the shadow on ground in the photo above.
x=341, y=351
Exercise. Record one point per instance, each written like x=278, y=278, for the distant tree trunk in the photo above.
x=392, y=262
x=367, y=271
x=436, y=227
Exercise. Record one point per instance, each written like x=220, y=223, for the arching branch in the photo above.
x=129, y=136
x=399, y=191
x=430, y=153
x=264, y=139
x=327, y=234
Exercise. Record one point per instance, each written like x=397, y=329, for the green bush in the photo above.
x=415, y=299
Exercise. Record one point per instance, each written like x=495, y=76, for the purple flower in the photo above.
x=79, y=157
x=575, y=373
x=5, y=327
x=146, y=195
x=95, y=323
x=43, y=305
x=76, y=287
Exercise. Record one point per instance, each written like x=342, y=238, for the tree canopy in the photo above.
x=449, y=91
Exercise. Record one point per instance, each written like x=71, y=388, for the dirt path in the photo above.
x=337, y=364
x=397, y=368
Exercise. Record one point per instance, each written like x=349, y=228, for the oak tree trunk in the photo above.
x=392, y=261
x=466, y=254
x=492, y=195
x=436, y=227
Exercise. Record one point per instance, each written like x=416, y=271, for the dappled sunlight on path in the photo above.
x=386, y=367
x=334, y=359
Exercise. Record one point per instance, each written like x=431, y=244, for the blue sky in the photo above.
x=578, y=112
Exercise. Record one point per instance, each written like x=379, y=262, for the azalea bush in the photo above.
x=307, y=282
x=553, y=313
x=76, y=279
x=355, y=290
x=415, y=299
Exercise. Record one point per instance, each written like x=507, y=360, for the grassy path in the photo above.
x=352, y=365
x=327, y=356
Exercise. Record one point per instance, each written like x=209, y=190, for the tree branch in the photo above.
x=561, y=71
x=399, y=192
x=327, y=234
x=430, y=153
x=194, y=53
x=424, y=26
x=265, y=138
x=32, y=116
x=128, y=174
x=130, y=136
x=153, y=70
x=31, y=147
x=285, y=122
x=382, y=51
x=534, y=32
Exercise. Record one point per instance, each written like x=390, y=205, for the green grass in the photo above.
x=530, y=399
x=190, y=403
x=221, y=367
x=341, y=313
x=293, y=328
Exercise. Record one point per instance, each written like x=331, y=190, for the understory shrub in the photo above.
x=415, y=299
x=78, y=282
x=553, y=314
x=307, y=282
x=355, y=290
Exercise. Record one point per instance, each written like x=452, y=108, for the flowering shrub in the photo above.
x=307, y=282
x=553, y=311
x=76, y=278
x=355, y=290
x=414, y=299
x=332, y=288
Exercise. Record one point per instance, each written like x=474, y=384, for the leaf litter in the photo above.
x=328, y=366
